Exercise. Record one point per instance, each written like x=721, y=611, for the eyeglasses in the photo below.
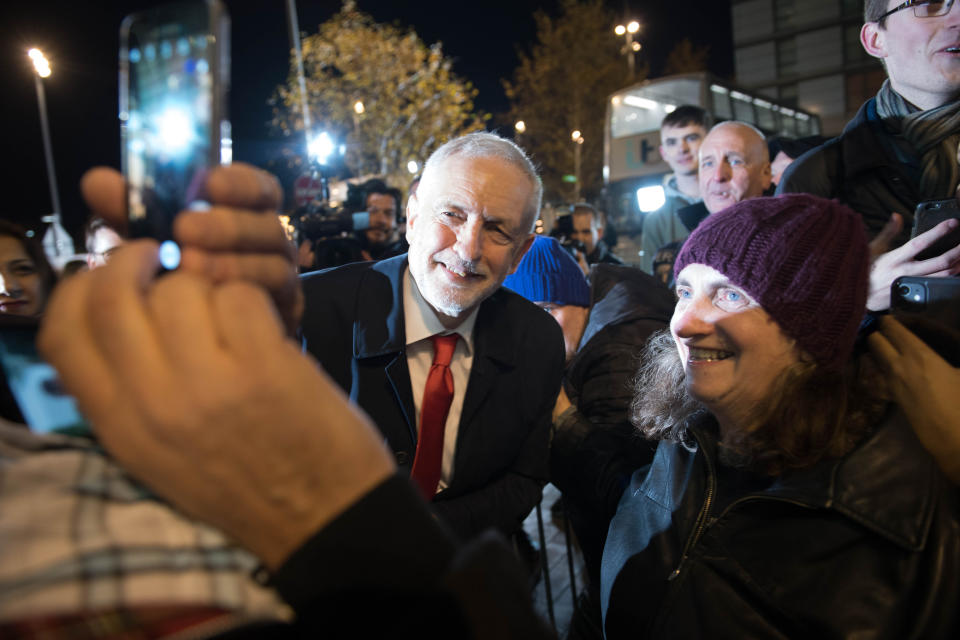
x=922, y=8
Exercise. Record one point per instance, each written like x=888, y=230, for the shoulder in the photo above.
x=814, y=172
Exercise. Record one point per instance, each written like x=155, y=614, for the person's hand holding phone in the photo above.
x=239, y=237
x=194, y=388
x=889, y=266
x=925, y=386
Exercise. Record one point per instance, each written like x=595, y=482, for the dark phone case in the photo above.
x=930, y=214
x=935, y=298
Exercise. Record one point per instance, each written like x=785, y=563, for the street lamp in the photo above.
x=57, y=243
x=630, y=46
x=577, y=138
x=520, y=126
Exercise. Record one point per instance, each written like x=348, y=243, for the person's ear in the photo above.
x=412, y=206
x=522, y=252
x=873, y=39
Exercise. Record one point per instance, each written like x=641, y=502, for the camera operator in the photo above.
x=364, y=229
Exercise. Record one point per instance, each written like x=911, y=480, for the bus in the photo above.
x=633, y=169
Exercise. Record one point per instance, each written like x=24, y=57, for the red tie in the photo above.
x=437, y=396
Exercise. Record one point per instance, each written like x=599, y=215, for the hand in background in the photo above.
x=889, y=266
x=238, y=238
x=926, y=388
x=195, y=389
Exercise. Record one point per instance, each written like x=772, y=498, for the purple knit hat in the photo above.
x=803, y=258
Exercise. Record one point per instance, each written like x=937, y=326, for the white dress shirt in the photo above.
x=420, y=322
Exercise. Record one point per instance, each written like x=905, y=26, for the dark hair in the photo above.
x=873, y=9
x=687, y=114
x=33, y=249
x=793, y=147
x=375, y=185
x=585, y=208
x=811, y=413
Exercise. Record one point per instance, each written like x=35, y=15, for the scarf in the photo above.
x=935, y=136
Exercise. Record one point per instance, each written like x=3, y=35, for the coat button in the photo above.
x=401, y=457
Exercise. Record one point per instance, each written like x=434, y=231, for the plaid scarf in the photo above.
x=81, y=540
x=935, y=136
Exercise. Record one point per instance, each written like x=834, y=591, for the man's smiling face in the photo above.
x=467, y=230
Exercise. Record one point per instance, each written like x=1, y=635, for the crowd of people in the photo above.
x=760, y=449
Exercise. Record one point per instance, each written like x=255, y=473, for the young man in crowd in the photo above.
x=681, y=133
x=901, y=147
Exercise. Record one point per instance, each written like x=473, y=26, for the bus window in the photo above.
x=721, y=103
x=742, y=107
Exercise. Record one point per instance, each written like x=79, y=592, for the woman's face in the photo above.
x=731, y=349
x=21, y=287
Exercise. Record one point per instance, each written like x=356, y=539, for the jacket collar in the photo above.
x=864, y=136
x=887, y=483
x=379, y=326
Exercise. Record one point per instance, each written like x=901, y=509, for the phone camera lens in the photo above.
x=903, y=290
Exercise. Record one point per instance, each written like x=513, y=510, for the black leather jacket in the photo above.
x=867, y=546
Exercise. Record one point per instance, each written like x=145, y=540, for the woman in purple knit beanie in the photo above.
x=787, y=497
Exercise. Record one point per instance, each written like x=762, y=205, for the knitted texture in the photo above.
x=804, y=259
x=548, y=273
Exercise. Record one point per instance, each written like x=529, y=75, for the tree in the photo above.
x=561, y=86
x=685, y=58
x=412, y=102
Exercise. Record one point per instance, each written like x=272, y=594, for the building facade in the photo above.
x=806, y=53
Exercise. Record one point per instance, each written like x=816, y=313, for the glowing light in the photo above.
x=169, y=255
x=650, y=198
x=633, y=27
x=620, y=30
x=520, y=126
x=635, y=46
x=669, y=108
x=321, y=147
x=413, y=167
x=576, y=136
x=358, y=107
x=40, y=62
x=174, y=130
x=642, y=103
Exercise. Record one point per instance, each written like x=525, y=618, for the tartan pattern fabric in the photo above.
x=77, y=534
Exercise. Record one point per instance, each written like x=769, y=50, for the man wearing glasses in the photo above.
x=901, y=148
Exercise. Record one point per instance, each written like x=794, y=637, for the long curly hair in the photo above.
x=812, y=412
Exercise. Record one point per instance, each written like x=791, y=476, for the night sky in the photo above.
x=81, y=40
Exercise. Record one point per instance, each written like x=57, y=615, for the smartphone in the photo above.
x=174, y=79
x=31, y=388
x=936, y=298
x=928, y=215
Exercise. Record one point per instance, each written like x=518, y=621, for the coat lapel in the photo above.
x=494, y=355
x=378, y=331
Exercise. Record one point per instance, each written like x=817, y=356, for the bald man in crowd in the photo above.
x=734, y=166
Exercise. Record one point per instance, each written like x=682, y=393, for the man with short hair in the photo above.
x=901, y=147
x=588, y=229
x=375, y=328
x=381, y=239
x=734, y=166
x=681, y=133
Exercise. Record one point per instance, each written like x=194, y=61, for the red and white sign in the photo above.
x=306, y=189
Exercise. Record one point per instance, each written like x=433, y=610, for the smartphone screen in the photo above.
x=173, y=77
